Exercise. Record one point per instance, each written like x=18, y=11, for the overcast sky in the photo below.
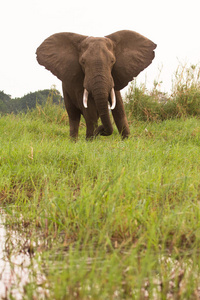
x=174, y=25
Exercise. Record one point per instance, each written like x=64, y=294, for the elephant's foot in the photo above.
x=124, y=137
x=90, y=138
x=125, y=133
x=101, y=131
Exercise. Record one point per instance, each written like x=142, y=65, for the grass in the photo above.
x=156, y=106
x=105, y=219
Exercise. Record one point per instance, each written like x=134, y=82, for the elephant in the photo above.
x=93, y=70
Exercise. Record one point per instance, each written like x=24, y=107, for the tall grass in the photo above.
x=186, y=90
x=106, y=219
x=157, y=106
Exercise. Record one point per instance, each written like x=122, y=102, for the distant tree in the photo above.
x=5, y=103
x=29, y=101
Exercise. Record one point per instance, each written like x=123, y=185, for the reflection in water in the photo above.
x=15, y=273
x=19, y=269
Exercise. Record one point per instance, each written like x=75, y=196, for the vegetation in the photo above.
x=106, y=219
x=27, y=102
x=157, y=106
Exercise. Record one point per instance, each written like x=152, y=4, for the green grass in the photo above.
x=154, y=105
x=106, y=219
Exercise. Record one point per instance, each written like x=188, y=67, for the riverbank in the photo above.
x=106, y=219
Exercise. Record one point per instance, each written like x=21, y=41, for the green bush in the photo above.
x=154, y=105
x=186, y=90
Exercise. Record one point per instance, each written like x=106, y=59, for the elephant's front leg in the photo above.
x=119, y=116
x=74, y=125
x=91, y=118
x=90, y=129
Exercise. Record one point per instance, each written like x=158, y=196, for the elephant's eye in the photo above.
x=113, y=60
x=82, y=61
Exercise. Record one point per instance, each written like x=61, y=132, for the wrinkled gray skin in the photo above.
x=91, y=70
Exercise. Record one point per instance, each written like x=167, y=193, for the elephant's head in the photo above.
x=97, y=59
x=96, y=66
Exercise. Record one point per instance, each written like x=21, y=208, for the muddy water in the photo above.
x=16, y=268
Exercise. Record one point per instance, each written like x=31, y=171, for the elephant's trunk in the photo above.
x=101, y=98
x=100, y=86
x=102, y=107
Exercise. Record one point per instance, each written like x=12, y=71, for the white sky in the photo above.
x=174, y=25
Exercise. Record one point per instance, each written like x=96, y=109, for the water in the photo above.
x=17, y=267
x=20, y=272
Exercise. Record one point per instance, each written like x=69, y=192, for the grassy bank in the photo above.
x=154, y=105
x=106, y=219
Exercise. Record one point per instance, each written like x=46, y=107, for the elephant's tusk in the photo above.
x=85, y=98
x=113, y=98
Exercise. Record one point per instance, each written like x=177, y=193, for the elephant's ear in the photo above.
x=134, y=53
x=59, y=54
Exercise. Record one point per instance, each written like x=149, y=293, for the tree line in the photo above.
x=29, y=101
